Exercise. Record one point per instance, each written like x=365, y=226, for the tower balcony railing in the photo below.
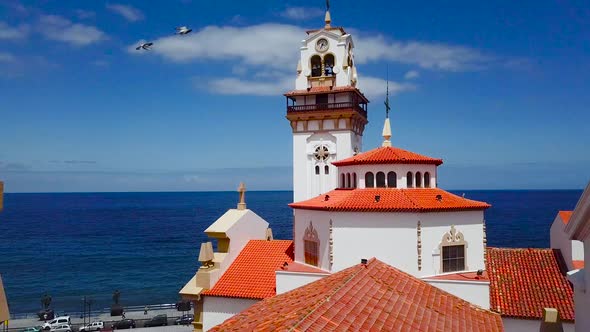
x=327, y=107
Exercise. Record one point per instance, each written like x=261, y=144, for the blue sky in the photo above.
x=498, y=90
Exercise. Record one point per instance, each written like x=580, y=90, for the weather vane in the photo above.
x=387, y=108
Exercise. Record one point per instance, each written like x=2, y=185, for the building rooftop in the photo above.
x=252, y=273
x=371, y=297
x=387, y=155
x=524, y=281
x=390, y=200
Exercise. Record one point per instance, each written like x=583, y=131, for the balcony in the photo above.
x=361, y=108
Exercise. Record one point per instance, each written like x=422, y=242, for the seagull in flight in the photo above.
x=183, y=30
x=145, y=46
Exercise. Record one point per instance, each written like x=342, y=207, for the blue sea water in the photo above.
x=146, y=244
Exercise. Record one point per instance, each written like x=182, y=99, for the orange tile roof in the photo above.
x=252, y=274
x=565, y=216
x=390, y=200
x=372, y=297
x=578, y=264
x=387, y=155
x=524, y=281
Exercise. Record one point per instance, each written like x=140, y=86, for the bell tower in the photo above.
x=327, y=112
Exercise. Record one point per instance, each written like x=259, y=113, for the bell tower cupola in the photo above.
x=327, y=112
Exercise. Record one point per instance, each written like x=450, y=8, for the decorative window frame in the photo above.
x=453, y=238
x=311, y=235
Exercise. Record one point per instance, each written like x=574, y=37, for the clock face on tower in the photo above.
x=321, y=45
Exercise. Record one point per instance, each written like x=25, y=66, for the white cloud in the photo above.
x=130, y=13
x=236, y=86
x=16, y=32
x=84, y=14
x=58, y=28
x=412, y=74
x=374, y=87
x=7, y=57
x=435, y=56
x=269, y=45
x=301, y=13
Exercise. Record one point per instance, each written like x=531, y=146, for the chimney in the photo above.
x=550, y=321
x=377, y=198
x=363, y=261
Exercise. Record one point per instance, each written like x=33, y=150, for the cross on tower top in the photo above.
x=242, y=192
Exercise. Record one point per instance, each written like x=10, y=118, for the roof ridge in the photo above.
x=403, y=191
x=324, y=300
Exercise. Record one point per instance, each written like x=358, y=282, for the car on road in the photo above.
x=57, y=321
x=123, y=324
x=61, y=328
x=94, y=326
x=159, y=320
x=32, y=329
x=184, y=319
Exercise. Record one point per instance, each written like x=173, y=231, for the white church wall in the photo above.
x=390, y=237
x=401, y=171
x=559, y=239
x=321, y=223
x=477, y=293
x=217, y=309
x=301, y=179
x=287, y=281
x=530, y=325
x=436, y=225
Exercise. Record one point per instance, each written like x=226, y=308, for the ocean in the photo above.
x=72, y=245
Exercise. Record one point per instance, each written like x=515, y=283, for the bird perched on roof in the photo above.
x=145, y=46
x=183, y=30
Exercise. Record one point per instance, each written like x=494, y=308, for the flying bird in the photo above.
x=145, y=46
x=183, y=30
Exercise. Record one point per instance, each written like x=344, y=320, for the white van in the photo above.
x=57, y=321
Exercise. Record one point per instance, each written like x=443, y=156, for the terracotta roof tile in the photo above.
x=387, y=155
x=375, y=297
x=252, y=274
x=565, y=216
x=390, y=200
x=524, y=281
x=578, y=264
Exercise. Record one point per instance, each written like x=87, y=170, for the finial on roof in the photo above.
x=327, y=18
x=387, y=126
x=242, y=191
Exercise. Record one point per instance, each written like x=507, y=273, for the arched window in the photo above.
x=317, y=170
x=342, y=181
x=409, y=179
x=348, y=184
x=316, y=66
x=380, y=180
x=391, y=180
x=354, y=180
x=326, y=169
x=311, y=245
x=418, y=180
x=328, y=65
x=426, y=180
x=369, y=180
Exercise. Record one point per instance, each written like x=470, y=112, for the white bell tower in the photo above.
x=327, y=112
